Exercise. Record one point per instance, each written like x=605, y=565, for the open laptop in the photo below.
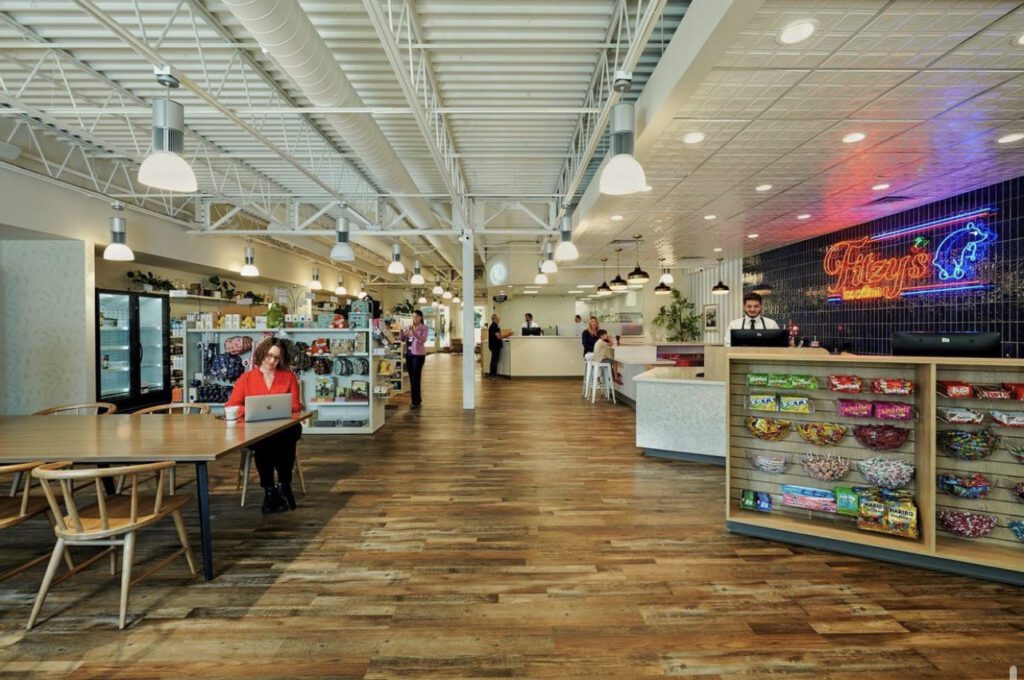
x=272, y=407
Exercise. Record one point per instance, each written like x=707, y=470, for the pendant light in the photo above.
x=622, y=175
x=662, y=289
x=549, y=266
x=422, y=300
x=456, y=300
x=604, y=289
x=342, y=250
x=396, y=266
x=720, y=288
x=666, y=274
x=164, y=168
x=437, y=290
x=447, y=294
x=340, y=288
x=315, y=284
x=763, y=289
x=249, y=268
x=638, y=275
x=417, y=277
x=117, y=250
x=541, y=278
x=566, y=249
x=618, y=284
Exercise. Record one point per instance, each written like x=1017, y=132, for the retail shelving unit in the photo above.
x=999, y=555
x=337, y=416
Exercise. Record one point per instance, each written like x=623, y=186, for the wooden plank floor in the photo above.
x=529, y=539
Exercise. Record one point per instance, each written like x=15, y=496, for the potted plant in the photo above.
x=225, y=288
x=147, y=281
x=678, y=319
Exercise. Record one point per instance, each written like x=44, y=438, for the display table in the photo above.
x=679, y=416
x=929, y=446
x=541, y=356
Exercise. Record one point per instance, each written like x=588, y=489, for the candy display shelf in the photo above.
x=997, y=555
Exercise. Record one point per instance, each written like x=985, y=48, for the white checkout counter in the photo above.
x=541, y=356
x=679, y=416
x=633, y=360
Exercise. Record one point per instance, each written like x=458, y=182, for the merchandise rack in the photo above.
x=327, y=413
x=997, y=556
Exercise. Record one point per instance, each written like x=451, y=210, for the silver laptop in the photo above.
x=271, y=407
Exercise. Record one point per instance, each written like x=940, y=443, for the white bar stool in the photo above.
x=600, y=376
x=586, y=371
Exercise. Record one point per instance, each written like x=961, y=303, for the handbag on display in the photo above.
x=227, y=367
x=238, y=344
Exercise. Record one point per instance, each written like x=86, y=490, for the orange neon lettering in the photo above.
x=861, y=274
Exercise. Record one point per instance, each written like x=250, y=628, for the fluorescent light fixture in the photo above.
x=549, y=266
x=804, y=216
x=752, y=235
x=314, y=283
x=853, y=137
x=880, y=187
x=396, y=266
x=797, y=32
x=693, y=138
x=531, y=292
x=575, y=292
x=717, y=250
x=249, y=269
x=763, y=187
x=117, y=250
x=566, y=250
x=342, y=251
x=585, y=285
x=710, y=217
x=164, y=168
x=417, y=277
x=1010, y=138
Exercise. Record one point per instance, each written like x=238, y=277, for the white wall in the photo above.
x=730, y=306
x=47, y=303
x=547, y=310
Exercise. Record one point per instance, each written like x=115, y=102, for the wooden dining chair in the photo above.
x=171, y=409
x=22, y=507
x=96, y=408
x=109, y=521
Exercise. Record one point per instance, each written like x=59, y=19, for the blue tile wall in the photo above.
x=866, y=326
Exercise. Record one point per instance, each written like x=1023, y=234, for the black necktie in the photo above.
x=751, y=324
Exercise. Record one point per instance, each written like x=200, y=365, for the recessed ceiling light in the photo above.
x=693, y=138
x=853, y=137
x=1010, y=138
x=805, y=216
x=762, y=187
x=798, y=31
x=880, y=187
x=752, y=235
x=616, y=218
x=717, y=250
x=710, y=217
x=585, y=285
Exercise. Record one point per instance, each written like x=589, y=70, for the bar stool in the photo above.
x=600, y=376
x=586, y=371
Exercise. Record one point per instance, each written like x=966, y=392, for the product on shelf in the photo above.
x=973, y=487
x=757, y=379
x=763, y=402
x=238, y=344
x=848, y=499
x=968, y=445
x=322, y=365
x=1017, y=452
x=769, y=429
x=881, y=437
x=855, y=408
x=774, y=464
x=803, y=382
x=227, y=367
x=1017, y=527
x=892, y=410
x=992, y=392
x=821, y=434
x=827, y=467
x=325, y=389
x=959, y=416
x=844, y=383
x=955, y=389
x=1009, y=418
x=795, y=404
x=1018, y=491
x=319, y=346
x=886, y=473
x=778, y=380
x=755, y=500
x=888, y=512
x=891, y=386
x=808, y=498
x=1016, y=388
x=966, y=524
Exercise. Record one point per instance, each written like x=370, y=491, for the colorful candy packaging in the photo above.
x=992, y=392
x=844, y=383
x=826, y=467
x=794, y=404
x=848, y=499
x=821, y=434
x=973, y=487
x=1017, y=389
x=855, y=408
x=891, y=386
x=757, y=379
x=886, y=473
x=966, y=524
x=891, y=410
x=755, y=500
x=1009, y=418
x=966, y=445
x=888, y=513
x=779, y=380
x=808, y=498
x=959, y=416
x=955, y=389
x=881, y=437
x=768, y=429
x=803, y=382
x=763, y=402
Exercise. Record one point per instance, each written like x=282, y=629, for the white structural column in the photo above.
x=468, y=355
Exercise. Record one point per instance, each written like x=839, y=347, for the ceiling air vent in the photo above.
x=885, y=200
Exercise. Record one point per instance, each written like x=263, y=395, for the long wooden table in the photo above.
x=104, y=440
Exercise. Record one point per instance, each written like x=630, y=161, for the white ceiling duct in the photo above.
x=283, y=30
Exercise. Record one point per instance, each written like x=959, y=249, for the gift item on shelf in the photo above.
x=755, y=500
x=808, y=498
x=892, y=410
x=992, y=392
x=209, y=393
x=319, y=346
x=844, y=383
x=855, y=408
x=768, y=429
x=763, y=402
x=966, y=524
x=238, y=344
x=1016, y=388
x=772, y=464
x=821, y=434
x=973, y=487
x=959, y=416
x=1017, y=452
x=1009, y=418
x=955, y=389
x=325, y=388
x=888, y=512
x=968, y=445
x=891, y=386
x=886, y=473
x=826, y=467
x=1018, y=491
x=795, y=404
x=881, y=437
x=227, y=367
x=1017, y=527
x=323, y=365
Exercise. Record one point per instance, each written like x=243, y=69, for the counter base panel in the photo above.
x=871, y=552
x=688, y=457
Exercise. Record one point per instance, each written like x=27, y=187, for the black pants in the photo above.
x=277, y=452
x=495, y=355
x=415, y=364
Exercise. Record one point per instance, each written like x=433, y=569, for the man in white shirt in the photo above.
x=528, y=323
x=751, y=319
x=579, y=326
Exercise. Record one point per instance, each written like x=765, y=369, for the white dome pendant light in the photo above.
x=117, y=250
x=417, y=276
x=314, y=283
x=549, y=266
x=396, y=266
x=566, y=249
x=622, y=175
x=249, y=268
x=340, y=289
x=342, y=250
x=164, y=168
x=437, y=290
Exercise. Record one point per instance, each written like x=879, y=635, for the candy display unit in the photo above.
x=803, y=508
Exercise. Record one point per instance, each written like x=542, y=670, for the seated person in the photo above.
x=604, y=353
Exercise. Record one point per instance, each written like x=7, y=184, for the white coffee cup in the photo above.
x=231, y=412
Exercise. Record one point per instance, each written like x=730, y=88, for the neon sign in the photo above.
x=862, y=274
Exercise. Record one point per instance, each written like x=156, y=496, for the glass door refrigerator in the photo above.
x=133, y=365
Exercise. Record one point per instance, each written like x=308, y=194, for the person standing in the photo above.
x=578, y=326
x=589, y=336
x=271, y=374
x=495, y=342
x=416, y=335
x=529, y=324
x=752, y=319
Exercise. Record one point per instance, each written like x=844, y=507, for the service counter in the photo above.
x=541, y=356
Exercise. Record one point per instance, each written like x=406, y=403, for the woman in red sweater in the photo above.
x=271, y=374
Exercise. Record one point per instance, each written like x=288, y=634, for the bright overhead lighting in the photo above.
x=575, y=292
x=720, y=288
x=1017, y=40
x=752, y=235
x=880, y=187
x=638, y=277
x=417, y=276
x=315, y=284
x=117, y=250
x=646, y=188
x=164, y=168
x=585, y=285
x=168, y=171
x=422, y=300
x=456, y=300
x=396, y=266
x=796, y=32
x=249, y=269
x=340, y=289
x=622, y=176
x=662, y=289
x=693, y=138
x=342, y=251
x=541, y=278
x=531, y=292
x=853, y=137
x=566, y=250
x=717, y=250
x=710, y=217
x=447, y=295
x=1010, y=138
x=762, y=187
x=437, y=289
x=616, y=218
x=805, y=216
x=549, y=266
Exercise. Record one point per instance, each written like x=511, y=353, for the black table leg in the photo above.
x=203, y=494
x=108, y=482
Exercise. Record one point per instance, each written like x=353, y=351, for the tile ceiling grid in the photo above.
x=776, y=114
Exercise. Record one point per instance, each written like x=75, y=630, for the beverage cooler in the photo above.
x=133, y=364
